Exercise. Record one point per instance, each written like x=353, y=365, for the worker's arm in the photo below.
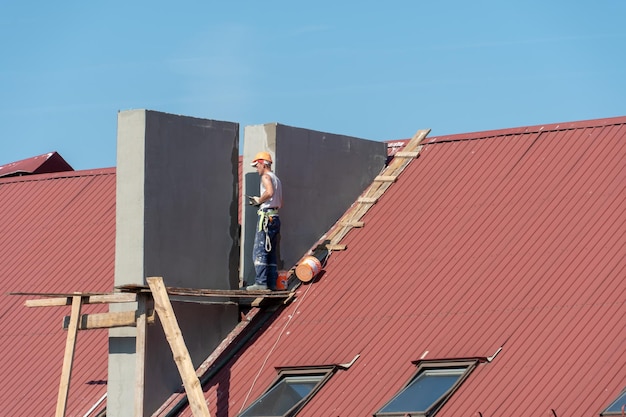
x=269, y=190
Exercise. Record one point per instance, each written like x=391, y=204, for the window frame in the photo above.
x=326, y=371
x=425, y=365
x=605, y=412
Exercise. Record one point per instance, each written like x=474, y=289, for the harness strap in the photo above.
x=264, y=219
x=270, y=211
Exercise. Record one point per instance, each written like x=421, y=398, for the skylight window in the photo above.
x=289, y=393
x=428, y=390
x=615, y=409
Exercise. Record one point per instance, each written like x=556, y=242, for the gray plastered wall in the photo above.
x=177, y=207
x=322, y=175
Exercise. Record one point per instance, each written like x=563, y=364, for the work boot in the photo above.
x=257, y=287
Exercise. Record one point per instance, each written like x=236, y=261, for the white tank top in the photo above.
x=277, y=199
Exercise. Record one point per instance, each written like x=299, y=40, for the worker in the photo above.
x=264, y=252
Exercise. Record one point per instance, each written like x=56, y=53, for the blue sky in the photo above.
x=371, y=69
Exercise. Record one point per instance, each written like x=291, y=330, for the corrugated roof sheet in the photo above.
x=511, y=239
x=58, y=236
x=42, y=164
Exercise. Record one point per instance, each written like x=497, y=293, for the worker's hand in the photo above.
x=254, y=201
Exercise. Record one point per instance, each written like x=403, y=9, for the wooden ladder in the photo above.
x=352, y=217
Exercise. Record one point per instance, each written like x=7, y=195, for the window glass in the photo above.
x=431, y=386
x=284, y=395
x=424, y=390
x=617, y=405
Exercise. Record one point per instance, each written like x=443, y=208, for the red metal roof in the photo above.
x=58, y=236
x=42, y=164
x=511, y=239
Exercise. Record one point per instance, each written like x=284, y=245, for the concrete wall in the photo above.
x=177, y=196
x=322, y=175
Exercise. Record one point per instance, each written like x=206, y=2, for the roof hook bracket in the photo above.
x=492, y=357
x=349, y=364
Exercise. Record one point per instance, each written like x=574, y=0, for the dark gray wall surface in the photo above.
x=202, y=326
x=177, y=205
x=322, y=175
x=191, y=190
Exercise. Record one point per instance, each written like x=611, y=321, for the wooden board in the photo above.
x=196, y=292
x=164, y=309
x=386, y=178
x=59, y=294
x=107, y=320
x=354, y=224
x=68, y=359
x=54, y=301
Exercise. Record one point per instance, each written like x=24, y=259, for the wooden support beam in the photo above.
x=91, y=299
x=107, y=320
x=199, y=293
x=367, y=200
x=68, y=359
x=193, y=388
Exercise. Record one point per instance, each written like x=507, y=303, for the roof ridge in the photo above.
x=58, y=175
x=540, y=128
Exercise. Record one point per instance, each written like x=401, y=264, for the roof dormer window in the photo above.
x=430, y=387
x=617, y=407
x=291, y=390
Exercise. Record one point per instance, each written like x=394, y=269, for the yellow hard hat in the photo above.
x=265, y=156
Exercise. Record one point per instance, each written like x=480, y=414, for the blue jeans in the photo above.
x=265, y=262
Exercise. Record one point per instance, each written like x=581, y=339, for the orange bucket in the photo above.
x=308, y=268
x=282, y=282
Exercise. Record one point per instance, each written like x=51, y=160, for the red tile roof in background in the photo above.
x=42, y=164
x=58, y=236
x=511, y=239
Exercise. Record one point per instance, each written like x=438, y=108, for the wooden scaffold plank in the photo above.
x=56, y=300
x=106, y=320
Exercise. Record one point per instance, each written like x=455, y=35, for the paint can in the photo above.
x=308, y=268
x=282, y=282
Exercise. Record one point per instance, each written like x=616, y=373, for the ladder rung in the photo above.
x=385, y=178
x=355, y=224
x=336, y=246
x=406, y=154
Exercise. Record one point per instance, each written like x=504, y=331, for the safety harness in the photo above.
x=265, y=216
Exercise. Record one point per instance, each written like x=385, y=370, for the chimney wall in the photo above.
x=177, y=197
x=322, y=175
